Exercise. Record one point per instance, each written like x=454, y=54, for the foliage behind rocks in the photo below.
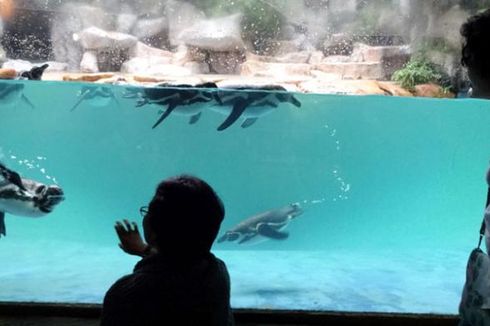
x=417, y=71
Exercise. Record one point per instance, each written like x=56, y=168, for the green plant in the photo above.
x=417, y=71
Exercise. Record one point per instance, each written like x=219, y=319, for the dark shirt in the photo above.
x=166, y=291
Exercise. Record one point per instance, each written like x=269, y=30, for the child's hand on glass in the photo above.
x=131, y=240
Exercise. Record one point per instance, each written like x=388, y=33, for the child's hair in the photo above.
x=476, y=47
x=185, y=214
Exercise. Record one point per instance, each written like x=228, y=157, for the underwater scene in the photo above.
x=379, y=199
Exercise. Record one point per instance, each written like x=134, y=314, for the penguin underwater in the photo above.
x=101, y=93
x=181, y=99
x=25, y=197
x=247, y=102
x=266, y=225
x=251, y=103
x=13, y=92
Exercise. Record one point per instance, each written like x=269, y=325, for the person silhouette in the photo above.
x=474, y=307
x=178, y=281
x=476, y=51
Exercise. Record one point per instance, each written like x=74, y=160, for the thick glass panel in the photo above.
x=391, y=188
x=392, y=191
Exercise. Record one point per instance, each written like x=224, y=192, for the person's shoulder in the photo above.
x=126, y=278
x=119, y=301
x=221, y=267
x=217, y=261
x=119, y=284
x=129, y=285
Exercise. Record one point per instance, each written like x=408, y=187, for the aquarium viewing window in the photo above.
x=346, y=119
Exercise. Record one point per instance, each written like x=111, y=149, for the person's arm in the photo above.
x=131, y=240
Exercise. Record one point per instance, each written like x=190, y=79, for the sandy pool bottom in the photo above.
x=421, y=281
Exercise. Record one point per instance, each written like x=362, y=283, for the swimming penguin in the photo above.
x=103, y=93
x=11, y=92
x=251, y=103
x=182, y=99
x=133, y=92
x=35, y=73
x=263, y=226
x=25, y=197
x=11, y=176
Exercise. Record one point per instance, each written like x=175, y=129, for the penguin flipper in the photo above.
x=267, y=231
x=141, y=101
x=130, y=93
x=2, y=224
x=165, y=114
x=248, y=122
x=82, y=97
x=27, y=101
x=238, y=108
x=246, y=238
x=217, y=98
x=11, y=176
x=15, y=178
x=193, y=119
x=229, y=236
x=223, y=238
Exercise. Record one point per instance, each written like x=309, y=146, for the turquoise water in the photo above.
x=393, y=191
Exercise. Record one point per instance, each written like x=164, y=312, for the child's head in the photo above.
x=476, y=51
x=184, y=216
